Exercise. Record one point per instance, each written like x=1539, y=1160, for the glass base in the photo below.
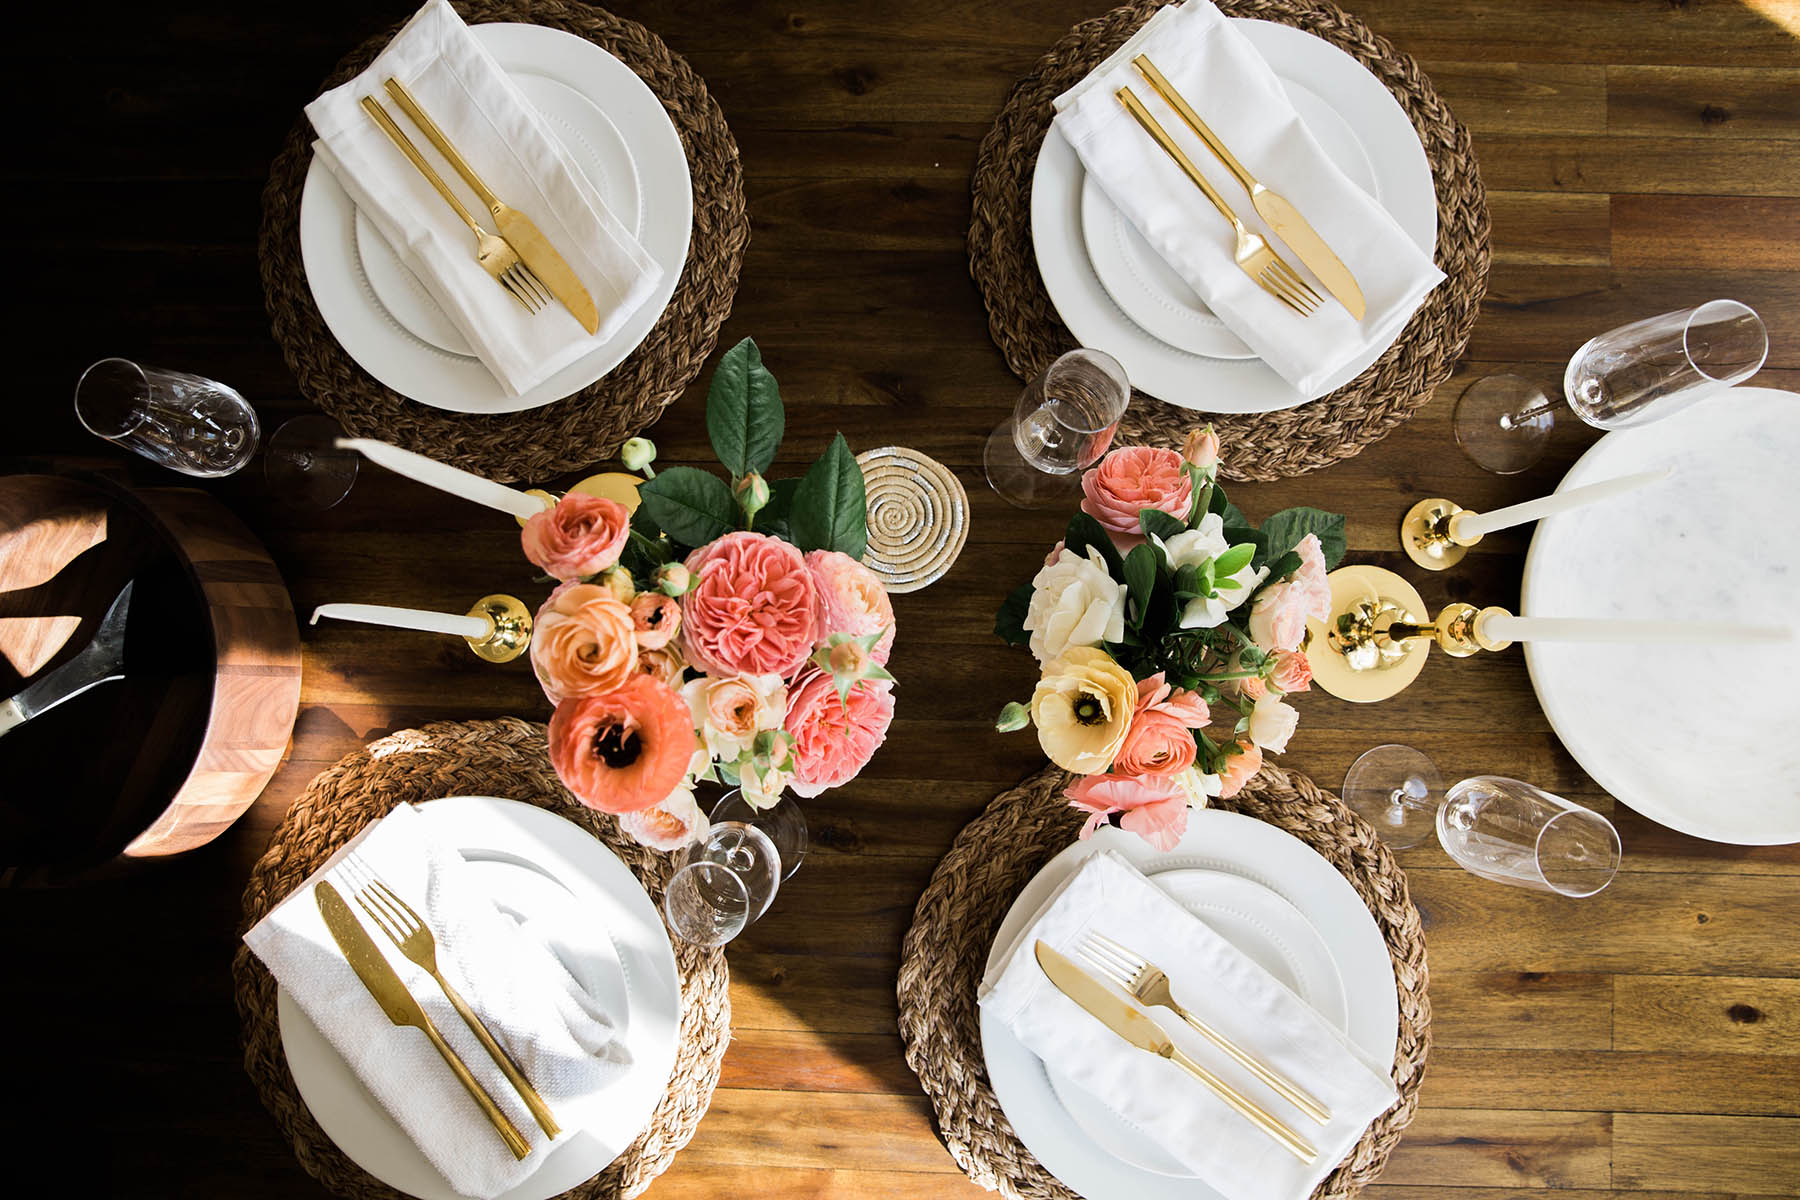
x=1486, y=431
x=783, y=823
x=1397, y=790
x=1018, y=482
x=304, y=467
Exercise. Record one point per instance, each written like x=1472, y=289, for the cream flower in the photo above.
x=1082, y=709
x=1272, y=723
x=1196, y=546
x=729, y=711
x=1074, y=602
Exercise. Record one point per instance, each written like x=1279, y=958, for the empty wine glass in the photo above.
x=1063, y=422
x=1397, y=790
x=304, y=465
x=727, y=879
x=184, y=422
x=782, y=822
x=1633, y=375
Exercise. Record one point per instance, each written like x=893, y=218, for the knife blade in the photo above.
x=101, y=660
x=1130, y=1022
x=1293, y=229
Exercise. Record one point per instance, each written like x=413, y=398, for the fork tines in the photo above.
x=1286, y=285
x=525, y=287
x=395, y=916
x=1111, y=959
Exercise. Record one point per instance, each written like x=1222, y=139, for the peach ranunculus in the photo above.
x=1278, y=618
x=1154, y=807
x=1134, y=478
x=1082, y=709
x=1159, y=740
x=583, y=535
x=663, y=663
x=730, y=711
x=625, y=751
x=1239, y=767
x=669, y=825
x=851, y=600
x=751, y=609
x=582, y=642
x=1291, y=672
x=654, y=619
x=834, y=739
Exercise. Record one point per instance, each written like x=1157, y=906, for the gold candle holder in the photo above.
x=1430, y=536
x=509, y=628
x=1378, y=637
x=611, y=485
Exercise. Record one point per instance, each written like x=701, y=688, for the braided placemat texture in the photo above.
x=506, y=758
x=991, y=861
x=1262, y=446
x=918, y=517
x=590, y=425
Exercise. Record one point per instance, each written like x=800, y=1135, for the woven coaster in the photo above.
x=918, y=517
x=1275, y=445
x=992, y=860
x=590, y=425
x=463, y=758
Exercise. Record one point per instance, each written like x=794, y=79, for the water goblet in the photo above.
x=1397, y=790
x=184, y=422
x=782, y=822
x=1062, y=423
x=304, y=466
x=727, y=878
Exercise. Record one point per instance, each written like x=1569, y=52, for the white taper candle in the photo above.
x=406, y=618
x=1503, y=627
x=1469, y=525
x=445, y=478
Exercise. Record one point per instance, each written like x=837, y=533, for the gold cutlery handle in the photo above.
x=1277, y=1083
x=1247, y=1108
x=515, y=1141
x=1162, y=138
x=435, y=136
x=539, y=1110
x=418, y=160
x=1179, y=103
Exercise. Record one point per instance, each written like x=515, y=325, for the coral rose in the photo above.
x=625, y=751
x=1240, y=767
x=1131, y=479
x=669, y=825
x=582, y=642
x=654, y=619
x=583, y=535
x=1082, y=709
x=729, y=712
x=1153, y=807
x=751, y=609
x=1291, y=672
x=834, y=739
x=851, y=600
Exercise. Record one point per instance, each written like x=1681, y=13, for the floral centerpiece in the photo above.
x=724, y=632
x=1168, y=630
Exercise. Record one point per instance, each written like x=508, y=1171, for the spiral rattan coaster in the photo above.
x=1257, y=445
x=918, y=517
x=992, y=860
x=591, y=424
x=463, y=758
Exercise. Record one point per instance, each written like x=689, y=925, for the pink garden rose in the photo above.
x=1134, y=478
x=1291, y=672
x=1155, y=807
x=752, y=607
x=1278, y=618
x=833, y=739
x=851, y=600
x=1239, y=767
x=583, y=535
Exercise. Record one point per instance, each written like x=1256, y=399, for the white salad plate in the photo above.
x=1200, y=369
x=618, y=134
x=1098, y=1154
x=593, y=913
x=1715, y=543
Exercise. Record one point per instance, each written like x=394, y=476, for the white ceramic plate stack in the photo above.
x=1116, y=294
x=1270, y=895
x=619, y=135
x=594, y=915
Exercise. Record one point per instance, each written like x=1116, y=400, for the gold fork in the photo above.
x=1254, y=257
x=1150, y=986
x=494, y=253
x=403, y=927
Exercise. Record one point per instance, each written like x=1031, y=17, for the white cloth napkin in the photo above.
x=1236, y=93
x=1223, y=987
x=485, y=116
x=556, y=1032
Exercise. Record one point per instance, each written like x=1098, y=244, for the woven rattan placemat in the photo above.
x=992, y=860
x=463, y=758
x=590, y=425
x=1258, y=445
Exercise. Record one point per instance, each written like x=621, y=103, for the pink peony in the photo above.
x=851, y=600
x=1238, y=768
x=833, y=739
x=1291, y=673
x=583, y=535
x=625, y=751
x=1134, y=478
x=751, y=610
x=1154, y=807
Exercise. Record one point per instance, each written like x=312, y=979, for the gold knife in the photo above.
x=401, y=1007
x=533, y=248
x=1135, y=1026
x=1282, y=217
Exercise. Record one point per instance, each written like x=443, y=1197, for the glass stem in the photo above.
x=1530, y=413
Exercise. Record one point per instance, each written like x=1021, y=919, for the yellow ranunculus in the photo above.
x=1082, y=708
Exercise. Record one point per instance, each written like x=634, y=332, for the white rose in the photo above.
x=1197, y=546
x=1272, y=723
x=1074, y=602
x=1199, y=786
x=729, y=711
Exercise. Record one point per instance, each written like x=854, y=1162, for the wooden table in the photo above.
x=1639, y=156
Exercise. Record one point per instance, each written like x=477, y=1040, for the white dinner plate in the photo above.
x=1701, y=738
x=1215, y=841
x=1402, y=185
x=593, y=913
x=624, y=143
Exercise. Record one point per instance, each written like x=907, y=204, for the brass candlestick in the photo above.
x=612, y=485
x=509, y=628
x=1378, y=637
x=1430, y=535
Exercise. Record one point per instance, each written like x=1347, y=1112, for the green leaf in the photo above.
x=1009, y=622
x=1157, y=523
x=1140, y=581
x=689, y=505
x=643, y=554
x=1227, y=511
x=744, y=416
x=1083, y=532
x=1187, y=582
x=1286, y=528
x=1234, y=560
x=830, y=507
x=1282, y=567
x=776, y=517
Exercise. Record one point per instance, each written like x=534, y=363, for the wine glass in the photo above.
x=782, y=822
x=727, y=879
x=304, y=466
x=184, y=422
x=1061, y=425
x=1397, y=790
x=1633, y=375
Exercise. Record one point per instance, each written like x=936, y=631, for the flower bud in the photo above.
x=617, y=580
x=752, y=493
x=637, y=455
x=848, y=658
x=1202, y=449
x=673, y=579
x=1013, y=716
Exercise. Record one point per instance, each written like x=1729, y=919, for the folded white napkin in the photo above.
x=554, y=1029
x=1228, y=83
x=1223, y=987
x=486, y=117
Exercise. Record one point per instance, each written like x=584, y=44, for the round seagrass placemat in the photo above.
x=590, y=425
x=1261, y=446
x=463, y=758
x=991, y=861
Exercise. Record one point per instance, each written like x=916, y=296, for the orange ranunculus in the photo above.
x=625, y=751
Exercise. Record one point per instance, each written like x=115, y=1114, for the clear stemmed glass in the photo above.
x=1063, y=422
x=1397, y=790
x=304, y=465
x=1633, y=375
x=184, y=422
x=727, y=879
x=782, y=823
